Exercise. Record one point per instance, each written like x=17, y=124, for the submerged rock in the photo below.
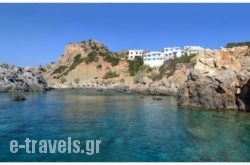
x=18, y=98
x=100, y=89
x=157, y=98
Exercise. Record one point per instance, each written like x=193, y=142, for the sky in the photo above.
x=36, y=34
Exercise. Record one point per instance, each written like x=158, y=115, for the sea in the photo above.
x=129, y=127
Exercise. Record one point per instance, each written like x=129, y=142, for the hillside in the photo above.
x=86, y=62
x=211, y=79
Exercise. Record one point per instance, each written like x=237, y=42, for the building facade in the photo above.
x=157, y=58
x=192, y=49
x=154, y=58
x=173, y=52
x=133, y=54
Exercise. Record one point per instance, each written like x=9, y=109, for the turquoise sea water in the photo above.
x=131, y=128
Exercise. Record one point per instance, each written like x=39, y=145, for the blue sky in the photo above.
x=34, y=34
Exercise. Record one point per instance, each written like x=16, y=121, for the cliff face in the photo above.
x=219, y=80
x=83, y=48
x=210, y=79
x=14, y=78
x=86, y=62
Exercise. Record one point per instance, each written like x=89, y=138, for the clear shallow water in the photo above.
x=130, y=128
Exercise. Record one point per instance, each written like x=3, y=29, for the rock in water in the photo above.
x=157, y=98
x=18, y=98
x=14, y=78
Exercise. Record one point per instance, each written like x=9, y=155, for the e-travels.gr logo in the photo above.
x=54, y=146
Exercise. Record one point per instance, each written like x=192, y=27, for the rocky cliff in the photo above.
x=220, y=80
x=14, y=78
x=86, y=63
x=211, y=79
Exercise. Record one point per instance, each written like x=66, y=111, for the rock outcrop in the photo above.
x=211, y=79
x=14, y=78
x=208, y=92
x=167, y=86
x=243, y=98
x=87, y=62
x=219, y=80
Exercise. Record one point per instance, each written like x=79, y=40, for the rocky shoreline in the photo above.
x=207, y=94
x=214, y=80
x=124, y=88
x=210, y=79
x=219, y=80
x=15, y=79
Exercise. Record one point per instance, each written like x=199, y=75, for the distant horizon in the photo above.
x=36, y=34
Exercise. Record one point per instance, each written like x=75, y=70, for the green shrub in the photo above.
x=146, y=68
x=134, y=66
x=59, y=70
x=91, y=57
x=110, y=57
x=235, y=44
x=185, y=58
x=170, y=65
x=77, y=60
x=110, y=74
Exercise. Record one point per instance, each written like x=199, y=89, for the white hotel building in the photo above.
x=172, y=52
x=157, y=58
x=132, y=54
x=154, y=58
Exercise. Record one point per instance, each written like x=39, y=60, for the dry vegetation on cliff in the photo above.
x=210, y=79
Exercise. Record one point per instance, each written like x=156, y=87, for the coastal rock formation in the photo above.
x=14, y=78
x=219, y=80
x=174, y=82
x=83, y=48
x=167, y=86
x=85, y=62
x=243, y=98
x=211, y=79
x=207, y=92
